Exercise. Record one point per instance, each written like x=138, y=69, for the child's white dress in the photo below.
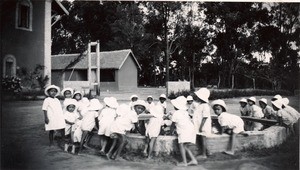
x=70, y=117
x=269, y=112
x=232, y=122
x=244, y=111
x=106, y=118
x=293, y=112
x=202, y=111
x=88, y=121
x=124, y=123
x=287, y=119
x=161, y=107
x=184, y=127
x=55, y=114
x=154, y=125
x=256, y=111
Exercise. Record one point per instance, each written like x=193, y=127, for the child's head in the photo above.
x=162, y=98
x=77, y=95
x=71, y=105
x=190, y=100
x=276, y=97
x=95, y=105
x=71, y=108
x=149, y=99
x=139, y=106
x=67, y=92
x=179, y=103
x=202, y=95
x=277, y=104
x=52, y=91
x=251, y=101
x=263, y=103
x=219, y=106
x=134, y=98
x=111, y=102
x=243, y=102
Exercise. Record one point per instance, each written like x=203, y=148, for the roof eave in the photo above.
x=62, y=7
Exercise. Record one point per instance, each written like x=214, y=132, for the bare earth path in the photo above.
x=24, y=145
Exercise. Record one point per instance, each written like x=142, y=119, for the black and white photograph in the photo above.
x=134, y=85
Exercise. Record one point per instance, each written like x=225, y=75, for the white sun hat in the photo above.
x=253, y=99
x=52, y=87
x=85, y=102
x=264, y=100
x=277, y=103
x=243, y=100
x=95, y=105
x=203, y=94
x=111, y=102
x=132, y=96
x=71, y=102
x=67, y=89
x=189, y=98
x=285, y=101
x=219, y=102
x=149, y=97
x=77, y=92
x=123, y=109
x=163, y=96
x=180, y=103
x=140, y=102
x=277, y=97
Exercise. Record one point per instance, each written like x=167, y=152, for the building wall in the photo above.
x=57, y=78
x=28, y=47
x=127, y=75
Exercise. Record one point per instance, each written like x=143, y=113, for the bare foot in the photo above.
x=107, y=156
x=193, y=162
x=145, y=154
x=101, y=152
x=229, y=152
x=201, y=157
x=182, y=164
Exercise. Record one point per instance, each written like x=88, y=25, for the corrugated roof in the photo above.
x=108, y=60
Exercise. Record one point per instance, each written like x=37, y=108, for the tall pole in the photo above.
x=98, y=67
x=89, y=66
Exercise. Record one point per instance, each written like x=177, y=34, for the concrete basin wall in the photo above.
x=267, y=138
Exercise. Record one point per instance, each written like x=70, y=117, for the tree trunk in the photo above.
x=232, y=81
x=253, y=81
x=219, y=80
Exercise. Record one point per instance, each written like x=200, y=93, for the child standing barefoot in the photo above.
x=185, y=130
x=53, y=113
x=231, y=123
x=70, y=119
x=106, y=118
x=124, y=121
x=88, y=121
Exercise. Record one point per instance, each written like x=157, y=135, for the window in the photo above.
x=77, y=75
x=107, y=75
x=9, y=66
x=24, y=15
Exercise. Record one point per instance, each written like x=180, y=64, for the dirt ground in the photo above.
x=24, y=145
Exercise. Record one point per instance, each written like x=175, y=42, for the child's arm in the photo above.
x=223, y=128
x=46, y=116
x=280, y=121
x=172, y=128
x=137, y=127
x=70, y=123
x=202, y=123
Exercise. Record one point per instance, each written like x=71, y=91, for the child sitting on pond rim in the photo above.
x=53, y=113
x=185, y=130
x=230, y=123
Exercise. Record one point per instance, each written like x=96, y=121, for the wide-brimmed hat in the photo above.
x=163, y=96
x=243, y=100
x=189, y=98
x=219, y=102
x=277, y=103
x=149, y=97
x=71, y=102
x=123, y=109
x=140, y=102
x=263, y=100
x=95, y=105
x=132, y=96
x=285, y=101
x=253, y=99
x=85, y=102
x=203, y=94
x=67, y=89
x=77, y=92
x=277, y=97
x=111, y=102
x=179, y=103
x=52, y=87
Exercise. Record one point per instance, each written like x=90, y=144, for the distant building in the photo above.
x=118, y=70
x=25, y=34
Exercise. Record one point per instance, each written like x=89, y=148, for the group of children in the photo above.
x=78, y=116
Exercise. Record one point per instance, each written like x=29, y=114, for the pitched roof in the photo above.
x=108, y=60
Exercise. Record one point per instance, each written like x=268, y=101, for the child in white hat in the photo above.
x=191, y=106
x=202, y=118
x=133, y=98
x=230, y=123
x=150, y=103
x=162, y=104
x=184, y=129
x=244, y=110
x=70, y=118
x=267, y=110
x=68, y=94
x=106, y=118
x=293, y=112
x=53, y=113
x=124, y=121
x=139, y=107
x=88, y=121
x=255, y=111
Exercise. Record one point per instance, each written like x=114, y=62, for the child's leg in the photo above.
x=232, y=144
x=109, y=153
x=204, y=146
x=87, y=140
x=145, y=152
x=84, y=135
x=51, y=136
x=151, y=146
x=103, y=141
x=121, y=146
x=193, y=159
x=183, y=155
